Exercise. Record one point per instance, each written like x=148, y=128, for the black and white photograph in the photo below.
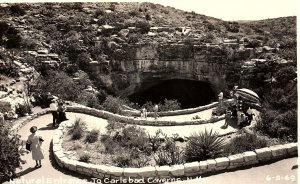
x=148, y=92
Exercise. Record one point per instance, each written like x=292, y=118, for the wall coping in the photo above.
x=134, y=112
x=131, y=120
x=247, y=158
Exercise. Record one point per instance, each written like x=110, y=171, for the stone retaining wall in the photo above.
x=151, y=172
x=175, y=171
x=172, y=113
x=134, y=112
x=19, y=123
x=132, y=120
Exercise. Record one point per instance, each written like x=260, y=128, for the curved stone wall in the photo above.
x=131, y=120
x=175, y=171
x=154, y=172
x=134, y=112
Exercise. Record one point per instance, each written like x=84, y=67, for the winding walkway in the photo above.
x=51, y=172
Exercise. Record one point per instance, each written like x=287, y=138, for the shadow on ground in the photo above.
x=47, y=127
x=63, y=170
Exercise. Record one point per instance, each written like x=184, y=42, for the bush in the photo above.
x=170, y=105
x=85, y=157
x=29, y=44
x=17, y=10
x=203, y=146
x=279, y=125
x=145, y=26
x=92, y=136
x=113, y=104
x=59, y=84
x=22, y=110
x=169, y=154
x=77, y=130
x=9, y=154
x=245, y=142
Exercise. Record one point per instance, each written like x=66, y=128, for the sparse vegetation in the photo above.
x=92, y=136
x=77, y=131
x=245, y=142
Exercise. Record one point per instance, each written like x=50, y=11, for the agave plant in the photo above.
x=203, y=145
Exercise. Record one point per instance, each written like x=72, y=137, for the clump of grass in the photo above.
x=92, y=136
x=78, y=129
x=85, y=157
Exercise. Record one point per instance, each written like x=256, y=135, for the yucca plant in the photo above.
x=203, y=145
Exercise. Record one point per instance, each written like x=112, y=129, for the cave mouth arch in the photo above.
x=190, y=93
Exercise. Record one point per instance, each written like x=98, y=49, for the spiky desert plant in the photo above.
x=203, y=145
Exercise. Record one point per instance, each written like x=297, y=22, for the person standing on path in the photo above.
x=61, y=109
x=36, y=146
x=155, y=111
x=221, y=97
x=53, y=109
x=144, y=113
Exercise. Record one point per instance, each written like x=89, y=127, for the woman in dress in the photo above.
x=36, y=146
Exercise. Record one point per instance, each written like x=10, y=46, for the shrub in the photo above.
x=145, y=26
x=122, y=158
x=110, y=145
x=77, y=130
x=133, y=13
x=92, y=136
x=245, y=142
x=113, y=104
x=9, y=154
x=148, y=17
x=5, y=107
x=170, y=105
x=22, y=110
x=204, y=145
x=169, y=154
x=279, y=125
x=28, y=43
x=130, y=158
x=17, y=10
x=59, y=84
x=85, y=157
x=76, y=145
x=134, y=137
x=156, y=141
x=133, y=38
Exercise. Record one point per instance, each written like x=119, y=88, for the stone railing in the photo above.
x=152, y=173
x=20, y=122
x=132, y=120
x=135, y=112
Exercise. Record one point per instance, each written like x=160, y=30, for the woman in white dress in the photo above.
x=36, y=146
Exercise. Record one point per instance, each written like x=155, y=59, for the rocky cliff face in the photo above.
x=145, y=65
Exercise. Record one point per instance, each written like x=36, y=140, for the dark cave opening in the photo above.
x=189, y=93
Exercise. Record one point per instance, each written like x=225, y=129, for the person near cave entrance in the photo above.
x=221, y=98
x=155, y=108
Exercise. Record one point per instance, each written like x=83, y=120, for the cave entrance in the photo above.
x=189, y=93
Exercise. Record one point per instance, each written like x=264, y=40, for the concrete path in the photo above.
x=182, y=131
x=49, y=171
x=281, y=172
